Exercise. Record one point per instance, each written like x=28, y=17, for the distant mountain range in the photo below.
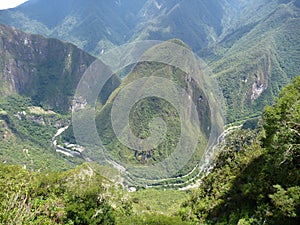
x=252, y=47
x=92, y=24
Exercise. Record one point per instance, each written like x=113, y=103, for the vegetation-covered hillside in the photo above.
x=146, y=109
x=79, y=197
x=256, y=176
x=255, y=180
x=38, y=78
x=252, y=175
x=91, y=25
x=258, y=58
x=45, y=69
x=252, y=47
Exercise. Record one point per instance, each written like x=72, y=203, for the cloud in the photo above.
x=6, y=4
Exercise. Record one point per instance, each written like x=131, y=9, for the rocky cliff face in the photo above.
x=47, y=70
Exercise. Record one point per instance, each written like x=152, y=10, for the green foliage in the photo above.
x=77, y=196
x=149, y=108
x=157, y=201
x=153, y=219
x=286, y=202
x=256, y=176
x=282, y=125
x=73, y=197
x=26, y=138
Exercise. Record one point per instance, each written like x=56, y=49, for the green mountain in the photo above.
x=96, y=26
x=251, y=47
x=38, y=80
x=46, y=70
x=255, y=178
x=91, y=25
x=181, y=111
x=197, y=23
x=258, y=58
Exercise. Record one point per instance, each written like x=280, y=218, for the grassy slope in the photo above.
x=158, y=201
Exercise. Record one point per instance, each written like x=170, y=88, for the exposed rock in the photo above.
x=5, y=132
x=257, y=90
x=45, y=69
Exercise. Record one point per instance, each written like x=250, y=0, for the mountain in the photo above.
x=181, y=110
x=91, y=25
x=250, y=177
x=255, y=178
x=197, y=23
x=258, y=58
x=46, y=70
x=38, y=81
x=98, y=25
x=252, y=47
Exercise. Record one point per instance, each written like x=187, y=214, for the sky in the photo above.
x=6, y=4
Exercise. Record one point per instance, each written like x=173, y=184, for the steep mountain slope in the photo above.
x=197, y=23
x=251, y=46
x=256, y=177
x=255, y=61
x=38, y=80
x=91, y=25
x=180, y=140
x=97, y=25
x=46, y=70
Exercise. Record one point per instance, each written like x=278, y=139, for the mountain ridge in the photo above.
x=244, y=43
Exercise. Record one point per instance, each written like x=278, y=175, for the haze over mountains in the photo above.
x=251, y=46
